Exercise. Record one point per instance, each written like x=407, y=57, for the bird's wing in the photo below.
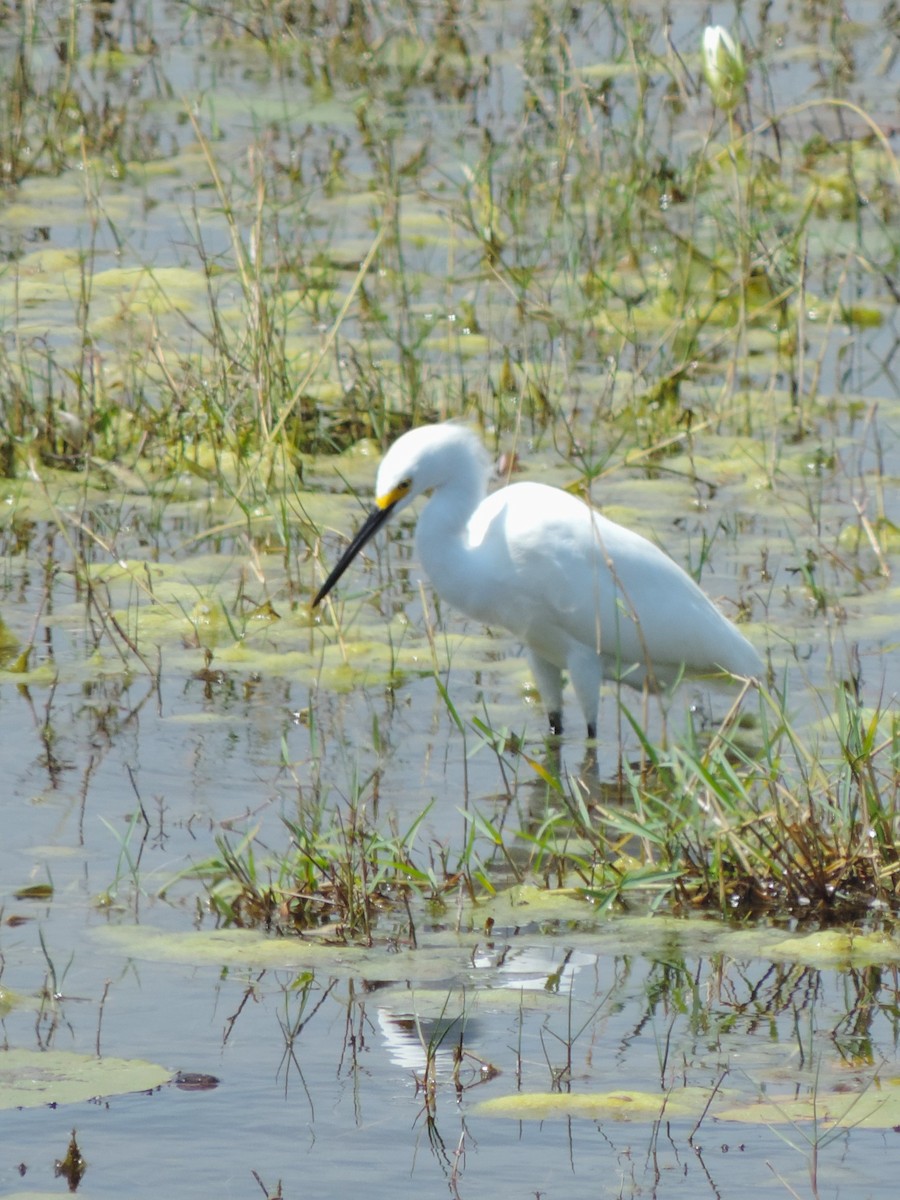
x=579, y=574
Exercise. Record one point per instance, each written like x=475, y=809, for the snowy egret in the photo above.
x=584, y=594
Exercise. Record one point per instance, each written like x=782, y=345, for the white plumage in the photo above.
x=584, y=594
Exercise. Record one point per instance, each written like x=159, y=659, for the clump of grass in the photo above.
x=767, y=827
x=742, y=823
x=341, y=875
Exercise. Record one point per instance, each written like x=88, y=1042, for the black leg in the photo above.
x=555, y=723
x=592, y=732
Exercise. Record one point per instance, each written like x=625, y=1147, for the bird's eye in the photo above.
x=395, y=495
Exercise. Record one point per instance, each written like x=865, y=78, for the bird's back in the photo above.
x=581, y=576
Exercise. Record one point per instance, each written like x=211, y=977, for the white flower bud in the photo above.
x=723, y=67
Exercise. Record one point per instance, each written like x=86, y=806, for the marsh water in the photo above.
x=522, y=1044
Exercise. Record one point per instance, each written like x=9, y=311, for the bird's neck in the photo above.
x=442, y=536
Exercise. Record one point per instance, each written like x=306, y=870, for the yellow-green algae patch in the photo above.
x=651, y=935
x=606, y=72
x=622, y=1104
x=245, y=948
x=467, y=344
x=47, y=673
x=31, y=1195
x=40, y=195
x=153, y=289
x=31, y=1078
x=49, y=260
x=526, y=905
x=10, y=1000
x=10, y=646
x=874, y=1107
x=836, y=947
x=380, y=645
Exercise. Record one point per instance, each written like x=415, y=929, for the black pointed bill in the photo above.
x=384, y=506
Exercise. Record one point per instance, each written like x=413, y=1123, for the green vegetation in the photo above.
x=745, y=824
x=220, y=304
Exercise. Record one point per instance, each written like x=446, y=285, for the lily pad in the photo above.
x=31, y=1078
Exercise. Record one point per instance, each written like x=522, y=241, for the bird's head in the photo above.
x=428, y=458
x=422, y=460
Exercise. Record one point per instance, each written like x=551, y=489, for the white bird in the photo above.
x=584, y=594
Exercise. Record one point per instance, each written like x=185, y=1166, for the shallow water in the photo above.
x=114, y=784
x=317, y=1071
